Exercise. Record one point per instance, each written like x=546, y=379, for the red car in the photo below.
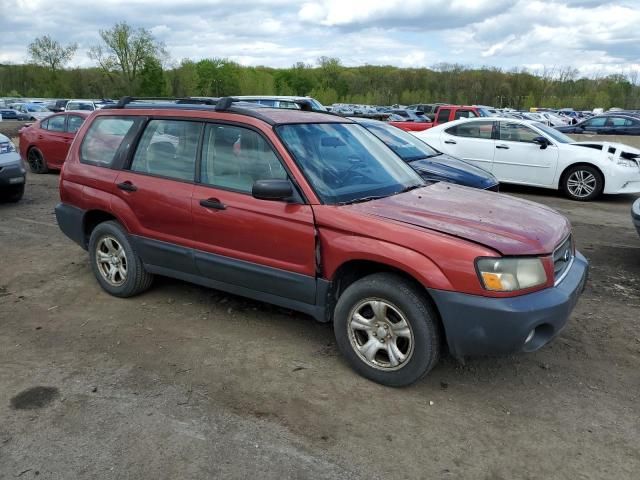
x=44, y=144
x=442, y=114
x=312, y=212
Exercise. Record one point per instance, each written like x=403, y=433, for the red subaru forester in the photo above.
x=312, y=212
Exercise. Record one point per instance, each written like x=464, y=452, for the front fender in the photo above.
x=339, y=248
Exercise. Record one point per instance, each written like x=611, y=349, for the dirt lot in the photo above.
x=184, y=382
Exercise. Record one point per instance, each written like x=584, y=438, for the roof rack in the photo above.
x=126, y=100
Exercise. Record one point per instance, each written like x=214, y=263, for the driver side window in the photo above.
x=235, y=157
x=516, y=132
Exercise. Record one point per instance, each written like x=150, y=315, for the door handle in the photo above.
x=127, y=186
x=213, y=203
x=451, y=142
x=504, y=147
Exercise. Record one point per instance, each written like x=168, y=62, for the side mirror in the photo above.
x=542, y=141
x=272, y=189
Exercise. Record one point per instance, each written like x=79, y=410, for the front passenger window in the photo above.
x=168, y=149
x=235, y=157
x=516, y=132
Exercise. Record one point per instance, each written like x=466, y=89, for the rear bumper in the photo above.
x=635, y=214
x=476, y=325
x=71, y=222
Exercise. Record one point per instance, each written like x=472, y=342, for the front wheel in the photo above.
x=387, y=330
x=115, y=263
x=582, y=183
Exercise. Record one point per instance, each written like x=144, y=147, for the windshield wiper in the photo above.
x=412, y=187
x=363, y=199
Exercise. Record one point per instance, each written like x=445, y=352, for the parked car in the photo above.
x=82, y=105
x=442, y=114
x=606, y=125
x=8, y=114
x=313, y=212
x=32, y=111
x=281, y=101
x=426, y=108
x=44, y=145
x=432, y=165
x=57, y=105
x=530, y=153
x=635, y=214
x=12, y=173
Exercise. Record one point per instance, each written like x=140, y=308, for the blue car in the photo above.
x=431, y=164
x=8, y=114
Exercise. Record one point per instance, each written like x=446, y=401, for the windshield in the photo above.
x=553, y=133
x=408, y=147
x=345, y=162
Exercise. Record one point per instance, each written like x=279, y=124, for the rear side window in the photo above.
x=74, y=122
x=104, y=138
x=472, y=130
x=235, y=157
x=168, y=148
x=619, y=122
x=465, y=114
x=56, y=124
x=443, y=115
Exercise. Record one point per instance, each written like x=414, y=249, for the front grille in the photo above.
x=562, y=259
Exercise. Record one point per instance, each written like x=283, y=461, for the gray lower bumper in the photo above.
x=12, y=174
x=476, y=325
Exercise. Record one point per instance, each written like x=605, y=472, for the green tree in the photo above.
x=152, y=82
x=50, y=53
x=126, y=50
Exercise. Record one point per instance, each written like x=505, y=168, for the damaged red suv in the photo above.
x=312, y=212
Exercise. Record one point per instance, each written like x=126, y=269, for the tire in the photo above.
x=582, y=183
x=14, y=193
x=36, y=161
x=397, y=299
x=118, y=257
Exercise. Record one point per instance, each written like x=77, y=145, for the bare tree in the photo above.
x=126, y=49
x=50, y=53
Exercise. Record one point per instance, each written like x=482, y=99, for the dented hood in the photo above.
x=506, y=224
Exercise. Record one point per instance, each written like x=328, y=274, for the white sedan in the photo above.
x=530, y=153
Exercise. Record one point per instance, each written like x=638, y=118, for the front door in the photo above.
x=157, y=188
x=259, y=245
x=517, y=159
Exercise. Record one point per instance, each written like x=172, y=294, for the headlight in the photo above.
x=627, y=163
x=510, y=274
x=7, y=147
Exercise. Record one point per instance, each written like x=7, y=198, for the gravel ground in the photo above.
x=185, y=382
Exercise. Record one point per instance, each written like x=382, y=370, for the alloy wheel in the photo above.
x=380, y=334
x=111, y=260
x=581, y=183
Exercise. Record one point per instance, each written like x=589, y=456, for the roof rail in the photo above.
x=225, y=103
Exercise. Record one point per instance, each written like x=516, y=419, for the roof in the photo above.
x=272, y=116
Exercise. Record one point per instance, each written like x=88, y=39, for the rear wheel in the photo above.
x=582, y=183
x=36, y=161
x=115, y=263
x=387, y=330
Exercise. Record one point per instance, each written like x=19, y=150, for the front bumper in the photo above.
x=635, y=214
x=476, y=325
x=12, y=172
x=622, y=179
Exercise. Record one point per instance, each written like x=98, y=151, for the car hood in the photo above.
x=616, y=145
x=451, y=169
x=509, y=225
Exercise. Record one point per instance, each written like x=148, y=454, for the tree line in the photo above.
x=130, y=61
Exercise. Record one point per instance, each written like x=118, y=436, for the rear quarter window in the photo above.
x=105, y=137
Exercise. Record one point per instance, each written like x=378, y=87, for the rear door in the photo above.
x=517, y=159
x=471, y=141
x=157, y=189
x=51, y=141
x=264, y=246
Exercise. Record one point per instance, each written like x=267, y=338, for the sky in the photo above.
x=597, y=37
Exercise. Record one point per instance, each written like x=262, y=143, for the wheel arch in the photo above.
x=353, y=270
x=581, y=163
x=93, y=218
